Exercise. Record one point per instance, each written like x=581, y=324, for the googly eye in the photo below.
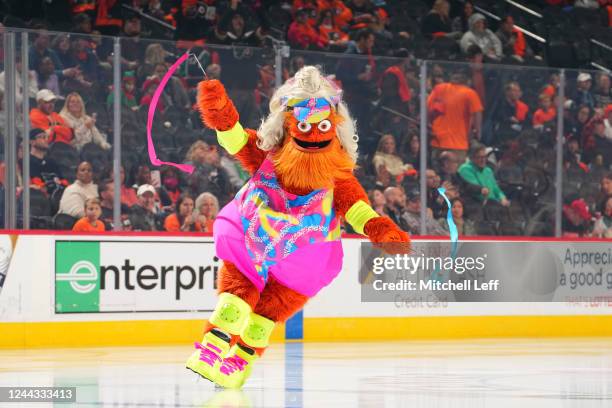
x=324, y=125
x=304, y=127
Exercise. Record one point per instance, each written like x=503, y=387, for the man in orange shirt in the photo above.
x=43, y=117
x=456, y=113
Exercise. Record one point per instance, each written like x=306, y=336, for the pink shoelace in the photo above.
x=209, y=353
x=232, y=364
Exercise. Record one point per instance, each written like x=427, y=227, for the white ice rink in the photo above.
x=482, y=373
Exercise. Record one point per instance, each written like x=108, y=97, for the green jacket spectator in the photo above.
x=476, y=172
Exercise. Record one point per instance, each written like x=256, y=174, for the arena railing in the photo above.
x=386, y=96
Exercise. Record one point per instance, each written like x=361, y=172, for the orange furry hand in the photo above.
x=216, y=109
x=384, y=234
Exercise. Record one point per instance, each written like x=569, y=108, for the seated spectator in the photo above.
x=363, y=11
x=183, y=219
x=414, y=151
x=61, y=47
x=148, y=89
x=456, y=114
x=31, y=92
x=551, y=87
x=310, y=6
x=412, y=216
x=377, y=201
x=602, y=144
x=302, y=35
x=75, y=195
x=481, y=36
x=583, y=95
x=142, y=215
x=329, y=33
x=464, y=227
x=209, y=175
x=232, y=30
x=460, y=23
x=386, y=159
x=170, y=181
x=546, y=113
x=128, y=194
x=106, y=191
x=194, y=21
x=45, y=174
x=448, y=165
x=512, y=40
x=476, y=173
x=174, y=93
x=46, y=78
x=91, y=221
x=144, y=175
x=83, y=125
x=606, y=190
x=576, y=122
x=437, y=22
x=154, y=54
x=603, y=225
x=395, y=206
x=601, y=94
x=40, y=49
x=341, y=14
x=576, y=217
x=511, y=114
x=128, y=93
x=435, y=201
x=206, y=210
x=43, y=117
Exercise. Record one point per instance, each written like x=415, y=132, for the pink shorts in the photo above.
x=307, y=270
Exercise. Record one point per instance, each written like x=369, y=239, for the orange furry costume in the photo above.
x=303, y=154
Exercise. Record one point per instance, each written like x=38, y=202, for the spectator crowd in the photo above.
x=491, y=128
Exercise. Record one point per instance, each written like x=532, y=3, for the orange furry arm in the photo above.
x=216, y=108
x=380, y=230
x=348, y=191
x=251, y=156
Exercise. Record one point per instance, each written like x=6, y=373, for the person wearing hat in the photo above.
x=576, y=217
x=481, y=36
x=584, y=96
x=142, y=215
x=44, y=117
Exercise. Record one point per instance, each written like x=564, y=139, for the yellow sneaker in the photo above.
x=208, y=357
x=236, y=368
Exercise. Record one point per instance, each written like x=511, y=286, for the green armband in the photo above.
x=359, y=214
x=234, y=139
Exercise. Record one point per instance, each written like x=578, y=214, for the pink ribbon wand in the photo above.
x=187, y=168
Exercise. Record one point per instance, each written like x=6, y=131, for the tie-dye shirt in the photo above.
x=277, y=223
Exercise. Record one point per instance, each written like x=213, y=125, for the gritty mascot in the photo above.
x=279, y=238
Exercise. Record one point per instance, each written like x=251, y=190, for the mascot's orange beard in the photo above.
x=301, y=172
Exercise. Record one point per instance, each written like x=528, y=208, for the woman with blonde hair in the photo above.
x=83, y=125
x=206, y=210
x=386, y=160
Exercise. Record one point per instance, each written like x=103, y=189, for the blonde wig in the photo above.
x=308, y=82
